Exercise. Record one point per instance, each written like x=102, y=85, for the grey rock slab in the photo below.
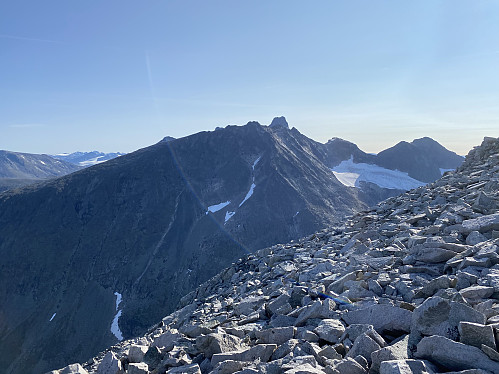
x=364, y=345
x=136, y=353
x=330, y=330
x=438, y=316
x=348, y=366
x=318, y=309
x=474, y=238
x=453, y=355
x=406, y=367
x=138, y=368
x=304, y=369
x=261, y=351
x=284, y=349
x=228, y=367
x=382, y=317
x=395, y=351
x=481, y=224
x=477, y=292
x=110, y=364
x=475, y=334
x=153, y=357
x=71, y=369
x=167, y=339
x=278, y=335
x=432, y=255
x=193, y=331
x=492, y=353
x=186, y=369
x=217, y=343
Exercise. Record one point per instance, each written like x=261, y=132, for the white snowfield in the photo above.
x=115, y=329
x=217, y=207
x=351, y=174
x=53, y=316
x=228, y=215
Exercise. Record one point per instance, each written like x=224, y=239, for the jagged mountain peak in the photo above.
x=279, y=122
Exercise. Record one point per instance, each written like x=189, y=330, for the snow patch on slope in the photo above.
x=250, y=192
x=217, y=207
x=351, y=174
x=115, y=329
x=53, y=316
x=228, y=215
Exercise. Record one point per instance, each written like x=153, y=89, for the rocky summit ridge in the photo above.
x=409, y=286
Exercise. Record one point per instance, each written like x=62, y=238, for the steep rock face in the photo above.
x=410, y=286
x=147, y=228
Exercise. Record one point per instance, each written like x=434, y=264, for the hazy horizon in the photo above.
x=119, y=76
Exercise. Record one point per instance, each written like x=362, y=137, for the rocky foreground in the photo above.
x=411, y=286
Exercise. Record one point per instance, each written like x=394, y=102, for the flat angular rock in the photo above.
x=319, y=309
x=382, y=317
x=167, y=339
x=260, y=351
x=187, y=369
x=477, y=292
x=348, y=366
x=228, y=367
x=193, y=331
x=438, y=316
x=453, y=355
x=110, y=364
x=364, y=345
x=406, y=367
x=481, y=224
x=217, y=343
x=304, y=369
x=136, y=353
x=475, y=334
x=330, y=330
x=396, y=351
x=278, y=335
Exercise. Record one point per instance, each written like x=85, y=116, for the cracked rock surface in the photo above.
x=410, y=286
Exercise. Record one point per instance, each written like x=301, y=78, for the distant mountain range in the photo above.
x=20, y=169
x=146, y=228
x=85, y=159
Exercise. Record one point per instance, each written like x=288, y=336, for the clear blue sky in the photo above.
x=120, y=75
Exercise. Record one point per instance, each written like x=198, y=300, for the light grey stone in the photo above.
x=318, y=309
x=261, y=351
x=364, y=345
x=382, y=317
x=217, y=343
x=278, y=335
x=453, y=355
x=193, y=331
x=395, y=351
x=330, y=330
x=477, y=292
x=228, y=367
x=349, y=366
x=474, y=238
x=406, y=367
x=167, y=339
x=186, y=369
x=110, y=365
x=304, y=369
x=136, y=353
x=482, y=224
x=476, y=334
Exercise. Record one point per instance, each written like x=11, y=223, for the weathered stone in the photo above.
x=138, y=368
x=477, y=292
x=217, y=343
x=474, y=238
x=330, y=330
x=453, y=355
x=110, y=365
x=136, y=353
x=186, y=369
x=278, y=335
x=382, y=317
x=319, y=309
x=437, y=316
x=193, y=331
x=261, y=351
x=395, y=351
x=284, y=349
x=364, y=345
x=167, y=339
x=407, y=367
x=348, y=366
x=153, y=357
x=481, y=224
x=475, y=334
